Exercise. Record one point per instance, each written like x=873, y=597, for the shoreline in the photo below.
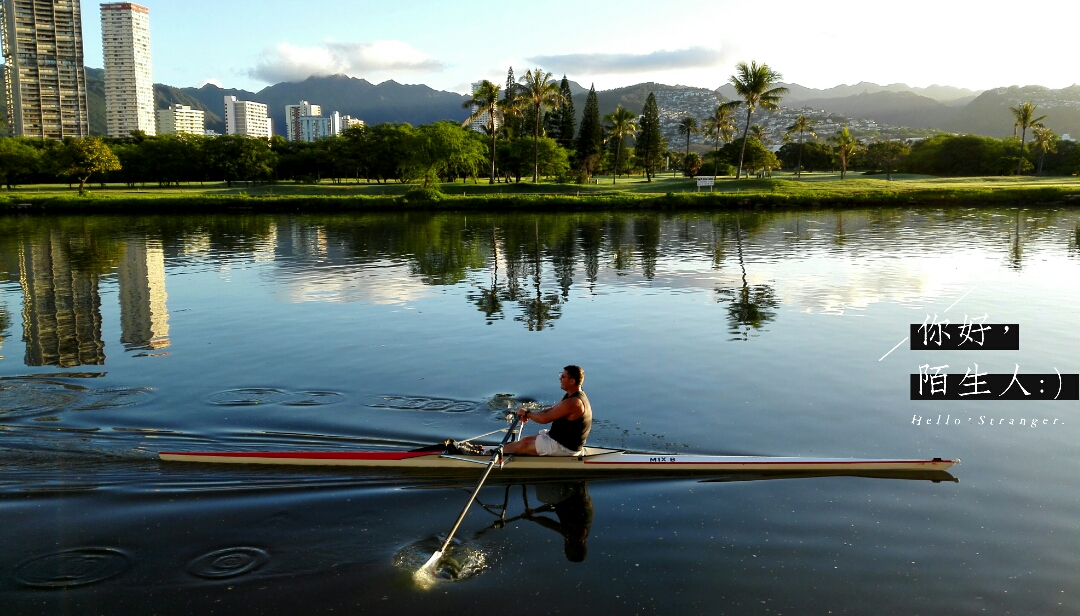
x=149, y=203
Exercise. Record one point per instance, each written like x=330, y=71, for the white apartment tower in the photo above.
x=129, y=84
x=480, y=124
x=247, y=118
x=181, y=119
x=293, y=113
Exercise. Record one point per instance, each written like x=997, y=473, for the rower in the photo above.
x=570, y=419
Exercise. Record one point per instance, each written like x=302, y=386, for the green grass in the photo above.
x=817, y=189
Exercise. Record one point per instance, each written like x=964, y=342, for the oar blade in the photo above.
x=425, y=575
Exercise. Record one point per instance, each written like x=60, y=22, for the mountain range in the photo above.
x=938, y=107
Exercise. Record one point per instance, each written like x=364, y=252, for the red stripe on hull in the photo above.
x=307, y=455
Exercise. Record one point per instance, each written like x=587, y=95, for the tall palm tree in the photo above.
x=1044, y=140
x=485, y=105
x=687, y=126
x=802, y=126
x=539, y=92
x=621, y=125
x=1024, y=113
x=757, y=87
x=846, y=145
x=720, y=125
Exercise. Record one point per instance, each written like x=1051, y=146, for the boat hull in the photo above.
x=594, y=460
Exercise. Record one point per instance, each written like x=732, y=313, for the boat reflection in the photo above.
x=570, y=503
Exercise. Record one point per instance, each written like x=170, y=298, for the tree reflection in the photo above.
x=1016, y=248
x=488, y=301
x=749, y=307
x=538, y=311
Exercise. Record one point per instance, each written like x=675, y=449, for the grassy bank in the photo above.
x=817, y=190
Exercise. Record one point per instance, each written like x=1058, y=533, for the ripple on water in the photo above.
x=247, y=396
x=407, y=403
x=313, y=398
x=68, y=568
x=461, y=561
x=21, y=397
x=228, y=563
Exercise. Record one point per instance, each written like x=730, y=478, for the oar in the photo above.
x=495, y=457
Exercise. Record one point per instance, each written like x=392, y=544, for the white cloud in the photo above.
x=214, y=81
x=287, y=62
x=611, y=63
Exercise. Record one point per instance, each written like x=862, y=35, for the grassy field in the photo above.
x=635, y=192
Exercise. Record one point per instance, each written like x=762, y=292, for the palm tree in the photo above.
x=846, y=145
x=1025, y=119
x=1044, y=140
x=756, y=85
x=485, y=106
x=539, y=92
x=621, y=125
x=760, y=133
x=720, y=125
x=802, y=126
x=687, y=126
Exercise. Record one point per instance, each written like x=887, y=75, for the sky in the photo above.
x=448, y=45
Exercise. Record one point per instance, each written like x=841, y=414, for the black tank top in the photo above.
x=572, y=433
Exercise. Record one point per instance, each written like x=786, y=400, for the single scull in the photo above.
x=594, y=459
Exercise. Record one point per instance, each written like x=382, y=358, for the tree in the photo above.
x=485, y=102
x=801, y=127
x=760, y=133
x=539, y=93
x=239, y=158
x=650, y=145
x=720, y=125
x=686, y=127
x=845, y=145
x=887, y=155
x=510, y=109
x=691, y=164
x=590, y=140
x=565, y=116
x=620, y=126
x=84, y=157
x=434, y=149
x=1025, y=119
x=757, y=87
x=18, y=159
x=1044, y=140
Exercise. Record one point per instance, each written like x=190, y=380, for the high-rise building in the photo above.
x=247, y=118
x=480, y=124
x=129, y=84
x=45, y=81
x=348, y=122
x=176, y=119
x=293, y=113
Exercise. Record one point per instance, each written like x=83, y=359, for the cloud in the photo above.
x=213, y=81
x=287, y=62
x=610, y=63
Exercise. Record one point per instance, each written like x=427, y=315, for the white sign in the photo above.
x=705, y=180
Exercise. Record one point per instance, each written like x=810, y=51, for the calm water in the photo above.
x=752, y=333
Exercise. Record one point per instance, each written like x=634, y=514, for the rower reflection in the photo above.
x=574, y=509
x=569, y=501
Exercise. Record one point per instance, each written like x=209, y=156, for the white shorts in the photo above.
x=547, y=446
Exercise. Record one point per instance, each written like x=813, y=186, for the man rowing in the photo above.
x=570, y=419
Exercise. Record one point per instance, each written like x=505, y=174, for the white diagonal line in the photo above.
x=894, y=348
x=961, y=297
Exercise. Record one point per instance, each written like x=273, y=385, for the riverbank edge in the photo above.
x=200, y=203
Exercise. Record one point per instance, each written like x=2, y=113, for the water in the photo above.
x=762, y=333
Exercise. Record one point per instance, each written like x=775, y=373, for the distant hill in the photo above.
x=989, y=113
x=894, y=108
x=799, y=93
x=633, y=98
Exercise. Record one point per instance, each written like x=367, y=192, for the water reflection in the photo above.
x=529, y=268
x=144, y=319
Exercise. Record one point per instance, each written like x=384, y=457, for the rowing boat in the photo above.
x=593, y=459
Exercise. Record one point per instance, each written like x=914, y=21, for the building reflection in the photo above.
x=144, y=318
x=61, y=306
